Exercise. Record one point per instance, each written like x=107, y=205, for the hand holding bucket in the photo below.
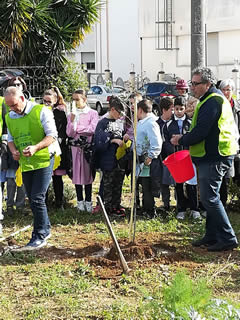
x=180, y=166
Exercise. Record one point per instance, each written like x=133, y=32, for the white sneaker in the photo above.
x=195, y=215
x=181, y=215
x=81, y=205
x=89, y=207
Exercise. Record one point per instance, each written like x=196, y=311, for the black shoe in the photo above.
x=10, y=211
x=219, y=246
x=162, y=212
x=149, y=214
x=203, y=242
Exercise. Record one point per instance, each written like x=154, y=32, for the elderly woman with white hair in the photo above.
x=227, y=87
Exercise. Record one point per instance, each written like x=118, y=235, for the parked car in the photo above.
x=4, y=77
x=98, y=98
x=118, y=90
x=121, y=92
x=155, y=90
x=13, y=72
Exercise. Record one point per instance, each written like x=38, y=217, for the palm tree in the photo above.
x=39, y=32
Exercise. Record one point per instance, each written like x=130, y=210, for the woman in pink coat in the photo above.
x=81, y=125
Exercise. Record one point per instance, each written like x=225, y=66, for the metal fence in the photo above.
x=38, y=78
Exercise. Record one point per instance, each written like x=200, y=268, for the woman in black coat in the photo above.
x=53, y=98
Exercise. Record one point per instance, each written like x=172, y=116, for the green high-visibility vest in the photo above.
x=227, y=145
x=27, y=131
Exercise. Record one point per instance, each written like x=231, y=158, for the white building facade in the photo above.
x=114, y=42
x=130, y=37
x=222, y=25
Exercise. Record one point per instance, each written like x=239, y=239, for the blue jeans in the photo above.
x=36, y=183
x=218, y=226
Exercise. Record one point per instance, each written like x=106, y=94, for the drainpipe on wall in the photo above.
x=235, y=75
x=141, y=57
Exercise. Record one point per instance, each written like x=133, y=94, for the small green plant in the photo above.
x=221, y=309
x=184, y=294
x=35, y=312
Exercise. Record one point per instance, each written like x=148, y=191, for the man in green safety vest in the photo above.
x=213, y=143
x=31, y=136
x=3, y=148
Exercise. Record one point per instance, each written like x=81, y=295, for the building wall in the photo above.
x=223, y=28
x=130, y=21
x=124, y=41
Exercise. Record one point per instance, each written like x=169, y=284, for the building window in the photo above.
x=88, y=58
x=90, y=65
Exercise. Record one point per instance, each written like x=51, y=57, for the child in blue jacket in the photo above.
x=108, y=137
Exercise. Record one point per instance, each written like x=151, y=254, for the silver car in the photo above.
x=98, y=98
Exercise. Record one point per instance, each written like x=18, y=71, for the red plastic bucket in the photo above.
x=180, y=166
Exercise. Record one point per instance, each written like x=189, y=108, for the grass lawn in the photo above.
x=78, y=275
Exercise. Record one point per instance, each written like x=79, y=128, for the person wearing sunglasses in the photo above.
x=227, y=86
x=212, y=142
x=19, y=83
x=31, y=136
x=53, y=99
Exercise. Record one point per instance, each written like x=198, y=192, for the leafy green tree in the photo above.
x=71, y=78
x=39, y=32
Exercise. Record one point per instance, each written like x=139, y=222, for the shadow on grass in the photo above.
x=69, y=216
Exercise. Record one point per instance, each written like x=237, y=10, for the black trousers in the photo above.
x=88, y=192
x=148, y=199
x=192, y=199
x=58, y=189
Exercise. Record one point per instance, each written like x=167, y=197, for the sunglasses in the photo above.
x=194, y=83
x=18, y=84
x=47, y=102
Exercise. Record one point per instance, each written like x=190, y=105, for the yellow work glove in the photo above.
x=57, y=160
x=18, y=178
x=121, y=151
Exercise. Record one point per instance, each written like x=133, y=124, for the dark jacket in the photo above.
x=104, y=149
x=61, y=125
x=236, y=113
x=206, y=128
x=171, y=129
x=162, y=124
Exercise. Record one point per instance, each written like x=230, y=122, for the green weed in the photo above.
x=56, y=280
x=183, y=294
x=35, y=312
